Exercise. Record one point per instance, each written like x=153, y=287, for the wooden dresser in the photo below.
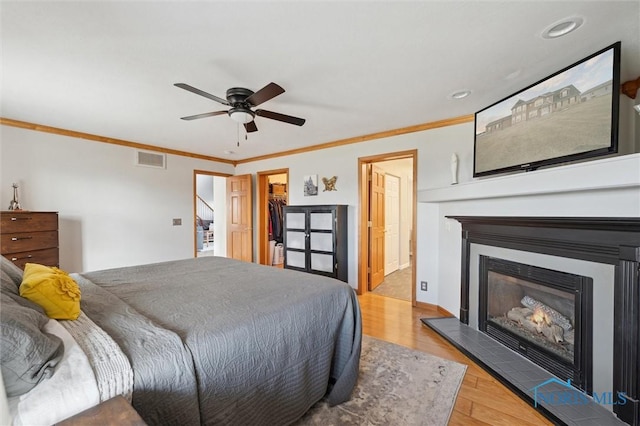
x=29, y=237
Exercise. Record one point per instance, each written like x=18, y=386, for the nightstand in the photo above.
x=113, y=412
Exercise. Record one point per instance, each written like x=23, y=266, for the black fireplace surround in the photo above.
x=613, y=241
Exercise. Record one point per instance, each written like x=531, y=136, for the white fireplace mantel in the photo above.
x=620, y=172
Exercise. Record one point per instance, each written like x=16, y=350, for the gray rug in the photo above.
x=397, y=386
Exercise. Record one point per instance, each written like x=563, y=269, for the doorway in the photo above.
x=387, y=184
x=273, y=194
x=210, y=216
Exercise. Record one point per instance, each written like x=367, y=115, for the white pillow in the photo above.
x=70, y=390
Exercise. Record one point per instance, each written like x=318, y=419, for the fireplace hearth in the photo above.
x=544, y=315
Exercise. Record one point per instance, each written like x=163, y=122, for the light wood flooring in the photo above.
x=482, y=400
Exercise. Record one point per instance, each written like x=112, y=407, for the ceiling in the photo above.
x=350, y=69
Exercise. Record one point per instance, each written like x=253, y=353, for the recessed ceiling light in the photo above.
x=461, y=94
x=562, y=27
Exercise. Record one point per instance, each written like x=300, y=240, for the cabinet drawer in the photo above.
x=48, y=257
x=28, y=241
x=28, y=222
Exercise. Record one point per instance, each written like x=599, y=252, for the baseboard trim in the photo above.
x=442, y=311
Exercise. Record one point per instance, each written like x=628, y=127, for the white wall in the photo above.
x=434, y=151
x=438, y=240
x=204, y=188
x=111, y=212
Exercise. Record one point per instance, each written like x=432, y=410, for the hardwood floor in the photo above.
x=482, y=400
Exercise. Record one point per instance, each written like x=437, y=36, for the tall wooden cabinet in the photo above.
x=27, y=236
x=315, y=240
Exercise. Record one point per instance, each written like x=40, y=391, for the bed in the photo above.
x=208, y=341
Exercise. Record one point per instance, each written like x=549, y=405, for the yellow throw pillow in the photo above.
x=53, y=289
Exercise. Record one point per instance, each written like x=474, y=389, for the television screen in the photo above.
x=570, y=115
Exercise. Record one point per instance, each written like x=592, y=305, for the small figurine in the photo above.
x=454, y=169
x=15, y=204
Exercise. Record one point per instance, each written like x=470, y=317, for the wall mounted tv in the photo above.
x=570, y=115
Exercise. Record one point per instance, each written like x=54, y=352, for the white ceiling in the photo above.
x=348, y=68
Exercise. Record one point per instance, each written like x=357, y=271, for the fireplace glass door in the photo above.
x=543, y=314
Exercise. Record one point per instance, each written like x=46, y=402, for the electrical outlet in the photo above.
x=423, y=285
x=177, y=222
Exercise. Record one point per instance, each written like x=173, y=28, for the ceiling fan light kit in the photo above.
x=241, y=101
x=241, y=115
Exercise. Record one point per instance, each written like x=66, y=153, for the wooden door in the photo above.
x=376, y=228
x=239, y=218
x=392, y=223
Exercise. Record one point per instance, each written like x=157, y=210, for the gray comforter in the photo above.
x=218, y=341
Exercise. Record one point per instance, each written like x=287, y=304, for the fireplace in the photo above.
x=543, y=314
x=605, y=311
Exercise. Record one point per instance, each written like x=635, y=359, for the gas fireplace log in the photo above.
x=569, y=336
x=519, y=314
x=551, y=313
x=526, y=318
x=554, y=333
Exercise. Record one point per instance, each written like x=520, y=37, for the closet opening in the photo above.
x=272, y=196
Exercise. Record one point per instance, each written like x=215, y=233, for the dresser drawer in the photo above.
x=48, y=257
x=11, y=222
x=28, y=241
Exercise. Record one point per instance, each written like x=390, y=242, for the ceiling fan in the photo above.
x=241, y=101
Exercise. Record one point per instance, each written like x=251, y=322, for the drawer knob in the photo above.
x=13, y=259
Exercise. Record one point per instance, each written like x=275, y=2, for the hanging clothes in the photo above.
x=276, y=218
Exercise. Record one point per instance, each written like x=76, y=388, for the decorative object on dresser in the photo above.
x=315, y=240
x=29, y=237
x=15, y=204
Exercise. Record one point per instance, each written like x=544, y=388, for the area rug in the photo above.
x=397, y=386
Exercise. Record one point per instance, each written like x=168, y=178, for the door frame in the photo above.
x=263, y=210
x=363, y=234
x=193, y=198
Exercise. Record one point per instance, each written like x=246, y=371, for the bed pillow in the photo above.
x=27, y=354
x=11, y=274
x=53, y=289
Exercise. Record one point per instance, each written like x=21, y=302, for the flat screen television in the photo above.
x=570, y=115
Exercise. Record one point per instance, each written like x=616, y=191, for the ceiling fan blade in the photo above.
x=201, y=93
x=206, y=114
x=251, y=127
x=280, y=117
x=269, y=91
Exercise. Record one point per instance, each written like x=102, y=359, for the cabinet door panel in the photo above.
x=296, y=259
x=296, y=240
x=323, y=221
x=295, y=220
x=321, y=241
x=322, y=262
